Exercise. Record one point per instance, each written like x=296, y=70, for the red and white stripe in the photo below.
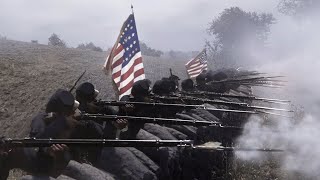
x=124, y=77
x=196, y=67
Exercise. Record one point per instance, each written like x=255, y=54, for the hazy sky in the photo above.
x=163, y=24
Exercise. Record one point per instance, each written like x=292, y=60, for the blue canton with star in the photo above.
x=129, y=40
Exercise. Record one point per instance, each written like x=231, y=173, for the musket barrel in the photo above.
x=199, y=100
x=95, y=143
x=187, y=106
x=269, y=108
x=220, y=102
x=161, y=121
x=271, y=113
x=183, y=106
x=102, y=117
x=248, y=149
x=233, y=96
x=245, y=79
x=231, y=110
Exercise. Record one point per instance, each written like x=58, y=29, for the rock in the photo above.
x=185, y=116
x=85, y=171
x=205, y=115
x=187, y=130
x=167, y=158
x=145, y=160
x=30, y=177
x=159, y=131
x=198, y=118
x=246, y=90
x=64, y=177
x=177, y=134
x=143, y=134
x=124, y=164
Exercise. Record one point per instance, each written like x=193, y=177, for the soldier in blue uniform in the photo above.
x=187, y=85
x=86, y=94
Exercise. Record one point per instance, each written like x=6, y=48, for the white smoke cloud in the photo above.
x=299, y=139
x=293, y=52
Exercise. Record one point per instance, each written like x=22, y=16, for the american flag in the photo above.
x=197, y=65
x=125, y=60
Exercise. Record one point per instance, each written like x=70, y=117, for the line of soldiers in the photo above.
x=61, y=121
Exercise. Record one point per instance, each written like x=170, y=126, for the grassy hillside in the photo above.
x=30, y=73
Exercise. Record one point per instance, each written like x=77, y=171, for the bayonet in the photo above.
x=76, y=82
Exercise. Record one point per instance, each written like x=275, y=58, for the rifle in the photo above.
x=219, y=102
x=251, y=73
x=183, y=106
x=77, y=81
x=32, y=142
x=161, y=121
x=255, y=81
x=183, y=99
x=268, y=78
x=264, y=84
x=213, y=94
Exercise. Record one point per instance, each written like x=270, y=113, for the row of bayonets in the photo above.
x=179, y=107
x=266, y=81
x=181, y=101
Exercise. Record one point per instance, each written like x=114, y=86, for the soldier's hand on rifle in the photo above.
x=128, y=107
x=77, y=114
x=131, y=106
x=57, y=149
x=120, y=123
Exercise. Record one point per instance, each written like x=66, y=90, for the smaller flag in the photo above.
x=197, y=65
x=125, y=60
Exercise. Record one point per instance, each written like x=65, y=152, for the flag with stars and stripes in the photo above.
x=125, y=60
x=197, y=65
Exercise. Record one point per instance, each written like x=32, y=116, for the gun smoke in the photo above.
x=294, y=52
